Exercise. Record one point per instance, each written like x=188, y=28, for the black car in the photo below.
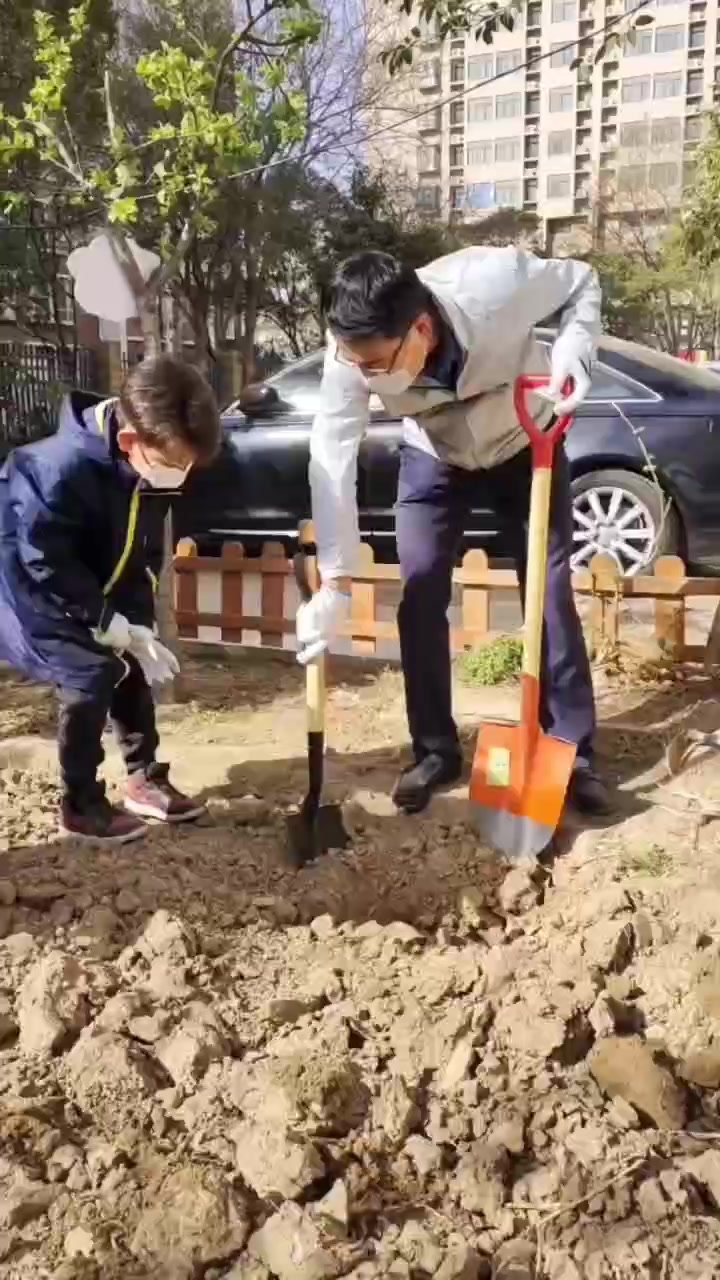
x=643, y=405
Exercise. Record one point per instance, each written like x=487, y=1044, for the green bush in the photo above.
x=499, y=662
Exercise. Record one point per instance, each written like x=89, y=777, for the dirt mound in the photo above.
x=403, y=1062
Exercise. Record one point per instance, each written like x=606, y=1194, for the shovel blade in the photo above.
x=310, y=835
x=518, y=790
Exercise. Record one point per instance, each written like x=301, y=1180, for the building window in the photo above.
x=562, y=56
x=532, y=147
x=668, y=39
x=562, y=99
x=507, y=195
x=532, y=104
x=429, y=74
x=457, y=70
x=507, y=150
x=693, y=129
x=695, y=83
x=531, y=190
x=457, y=197
x=428, y=198
x=558, y=186
x=697, y=37
x=508, y=61
x=457, y=113
x=534, y=14
x=636, y=89
x=632, y=178
x=669, y=85
x=480, y=195
x=480, y=153
x=480, y=68
x=564, y=10
x=457, y=156
x=560, y=142
x=634, y=134
x=642, y=42
x=428, y=159
x=479, y=110
x=665, y=132
x=664, y=177
x=508, y=105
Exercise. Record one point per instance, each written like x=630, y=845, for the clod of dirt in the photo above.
x=461, y=1262
x=425, y=1155
x=626, y=1067
x=8, y=1025
x=705, y=1169
x=652, y=1202
x=79, y=1243
x=519, y=890
x=333, y=1211
x=479, y=1182
x=109, y=1078
x=703, y=1067
x=291, y=1245
x=250, y=811
x=52, y=1004
x=274, y=1164
x=192, y=1217
x=8, y=893
x=608, y=945
x=395, y=1110
x=419, y=1246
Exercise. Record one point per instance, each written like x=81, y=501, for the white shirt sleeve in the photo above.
x=335, y=439
x=528, y=290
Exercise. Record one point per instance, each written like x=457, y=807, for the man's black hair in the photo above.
x=374, y=296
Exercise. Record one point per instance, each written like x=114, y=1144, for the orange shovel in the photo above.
x=520, y=774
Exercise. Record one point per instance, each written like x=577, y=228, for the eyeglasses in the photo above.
x=371, y=368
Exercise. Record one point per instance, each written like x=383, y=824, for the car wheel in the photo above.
x=624, y=515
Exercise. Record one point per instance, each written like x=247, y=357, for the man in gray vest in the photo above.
x=442, y=348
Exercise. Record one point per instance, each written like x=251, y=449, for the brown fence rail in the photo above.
x=234, y=599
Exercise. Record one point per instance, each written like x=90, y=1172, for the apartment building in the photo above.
x=546, y=138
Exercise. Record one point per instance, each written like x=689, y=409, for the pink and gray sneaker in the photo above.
x=101, y=823
x=152, y=795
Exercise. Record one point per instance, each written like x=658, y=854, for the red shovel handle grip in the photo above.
x=543, y=441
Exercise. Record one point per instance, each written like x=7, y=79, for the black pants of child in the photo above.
x=83, y=717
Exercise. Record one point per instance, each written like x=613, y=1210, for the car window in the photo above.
x=608, y=384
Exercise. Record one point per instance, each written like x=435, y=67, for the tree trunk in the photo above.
x=250, y=319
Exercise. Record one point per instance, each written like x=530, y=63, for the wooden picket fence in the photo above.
x=234, y=599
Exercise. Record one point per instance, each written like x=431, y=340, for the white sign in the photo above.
x=100, y=284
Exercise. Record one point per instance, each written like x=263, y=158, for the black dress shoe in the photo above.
x=416, y=785
x=588, y=794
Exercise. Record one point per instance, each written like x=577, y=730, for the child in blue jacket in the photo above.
x=81, y=541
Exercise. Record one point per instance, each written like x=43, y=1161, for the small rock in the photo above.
x=402, y=934
x=460, y=1262
x=290, y=1244
x=395, y=1111
x=127, y=903
x=166, y=934
x=322, y=927
x=8, y=893
x=508, y=1133
x=52, y=1004
x=275, y=1165
x=608, y=945
x=146, y=1027
x=419, y=1247
x=479, y=1181
x=22, y=1199
x=8, y=1025
x=643, y=930
x=703, y=1067
x=281, y=1012
x=188, y=1051
x=651, y=1202
x=519, y=890
x=425, y=1155
x=79, y=1243
x=41, y=895
x=280, y=910
x=63, y=1159
x=250, y=811
x=625, y=1067
x=458, y=1068
x=622, y=1115
x=705, y=1169
x=333, y=1211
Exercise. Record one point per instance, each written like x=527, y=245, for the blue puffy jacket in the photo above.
x=81, y=538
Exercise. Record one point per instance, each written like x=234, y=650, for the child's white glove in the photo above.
x=318, y=621
x=568, y=364
x=159, y=665
x=116, y=634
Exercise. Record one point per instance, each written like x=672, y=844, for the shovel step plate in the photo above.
x=519, y=795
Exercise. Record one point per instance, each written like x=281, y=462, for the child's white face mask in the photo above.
x=160, y=476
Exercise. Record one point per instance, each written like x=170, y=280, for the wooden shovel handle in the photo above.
x=308, y=582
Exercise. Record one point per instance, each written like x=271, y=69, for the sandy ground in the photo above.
x=405, y=1060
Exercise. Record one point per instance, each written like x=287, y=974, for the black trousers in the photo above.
x=434, y=500
x=82, y=720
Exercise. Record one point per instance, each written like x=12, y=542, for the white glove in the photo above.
x=158, y=663
x=567, y=363
x=116, y=634
x=318, y=621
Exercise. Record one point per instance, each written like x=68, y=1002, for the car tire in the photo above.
x=625, y=515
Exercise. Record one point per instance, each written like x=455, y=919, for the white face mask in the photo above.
x=160, y=476
x=393, y=383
